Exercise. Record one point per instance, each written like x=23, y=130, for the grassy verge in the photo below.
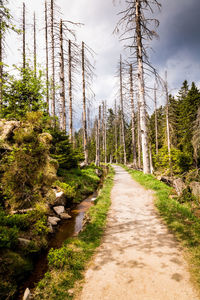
x=66, y=264
x=179, y=218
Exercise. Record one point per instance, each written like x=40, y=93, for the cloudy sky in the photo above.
x=177, y=50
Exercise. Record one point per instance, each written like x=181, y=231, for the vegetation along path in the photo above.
x=138, y=258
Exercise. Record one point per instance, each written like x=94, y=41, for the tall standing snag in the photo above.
x=53, y=58
x=62, y=81
x=137, y=30
x=122, y=111
x=70, y=91
x=47, y=57
x=84, y=107
x=24, y=36
x=34, y=45
x=132, y=117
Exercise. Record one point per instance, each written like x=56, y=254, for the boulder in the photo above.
x=24, y=242
x=179, y=185
x=195, y=188
x=53, y=220
x=50, y=171
x=6, y=129
x=50, y=228
x=59, y=209
x=45, y=138
x=60, y=199
x=65, y=216
x=27, y=294
x=168, y=180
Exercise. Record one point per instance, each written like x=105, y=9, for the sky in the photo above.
x=177, y=50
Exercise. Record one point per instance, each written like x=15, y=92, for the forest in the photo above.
x=58, y=143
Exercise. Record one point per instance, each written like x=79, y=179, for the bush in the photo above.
x=8, y=237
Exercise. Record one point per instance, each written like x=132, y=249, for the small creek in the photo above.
x=66, y=229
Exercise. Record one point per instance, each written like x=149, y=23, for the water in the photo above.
x=66, y=229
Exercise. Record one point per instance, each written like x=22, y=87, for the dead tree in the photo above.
x=122, y=111
x=53, y=58
x=156, y=119
x=34, y=45
x=167, y=119
x=24, y=36
x=132, y=117
x=116, y=140
x=98, y=125
x=62, y=81
x=139, y=136
x=1, y=64
x=70, y=91
x=137, y=30
x=84, y=106
x=47, y=56
x=105, y=132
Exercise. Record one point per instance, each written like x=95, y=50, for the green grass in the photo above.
x=179, y=218
x=84, y=181
x=66, y=265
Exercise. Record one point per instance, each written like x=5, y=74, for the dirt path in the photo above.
x=138, y=259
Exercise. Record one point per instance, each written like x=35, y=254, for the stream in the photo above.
x=66, y=229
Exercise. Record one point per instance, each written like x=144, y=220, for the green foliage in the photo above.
x=40, y=227
x=62, y=150
x=23, y=178
x=69, y=190
x=18, y=220
x=23, y=94
x=8, y=237
x=83, y=181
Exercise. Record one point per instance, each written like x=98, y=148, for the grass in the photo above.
x=179, y=218
x=84, y=181
x=66, y=265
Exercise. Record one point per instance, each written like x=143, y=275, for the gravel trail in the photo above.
x=138, y=258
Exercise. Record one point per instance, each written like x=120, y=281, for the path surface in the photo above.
x=138, y=259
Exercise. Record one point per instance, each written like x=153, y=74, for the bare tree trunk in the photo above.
x=47, y=57
x=167, y=119
x=105, y=132
x=139, y=137
x=62, y=81
x=34, y=45
x=116, y=144
x=24, y=36
x=133, y=118
x=103, y=127
x=156, y=120
x=122, y=112
x=143, y=122
x=84, y=107
x=53, y=57
x=70, y=92
x=1, y=65
x=88, y=122
x=150, y=159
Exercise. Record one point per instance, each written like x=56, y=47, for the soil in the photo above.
x=139, y=259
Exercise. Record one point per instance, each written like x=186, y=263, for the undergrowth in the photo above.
x=178, y=216
x=66, y=264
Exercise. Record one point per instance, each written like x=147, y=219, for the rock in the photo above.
x=53, y=220
x=71, y=292
x=27, y=294
x=179, y=186
x=60, y=198
x=45, y=138
x=24, y=242
x=167, y=180
x=65, y=216
x=195, y=188
x=93, y=199
x=82, y=164
x=50, y=228
x=6, y=129
x=59, y=209
x=98, y=172
x=50, y=171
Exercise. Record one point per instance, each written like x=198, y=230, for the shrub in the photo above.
x=8, y=237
